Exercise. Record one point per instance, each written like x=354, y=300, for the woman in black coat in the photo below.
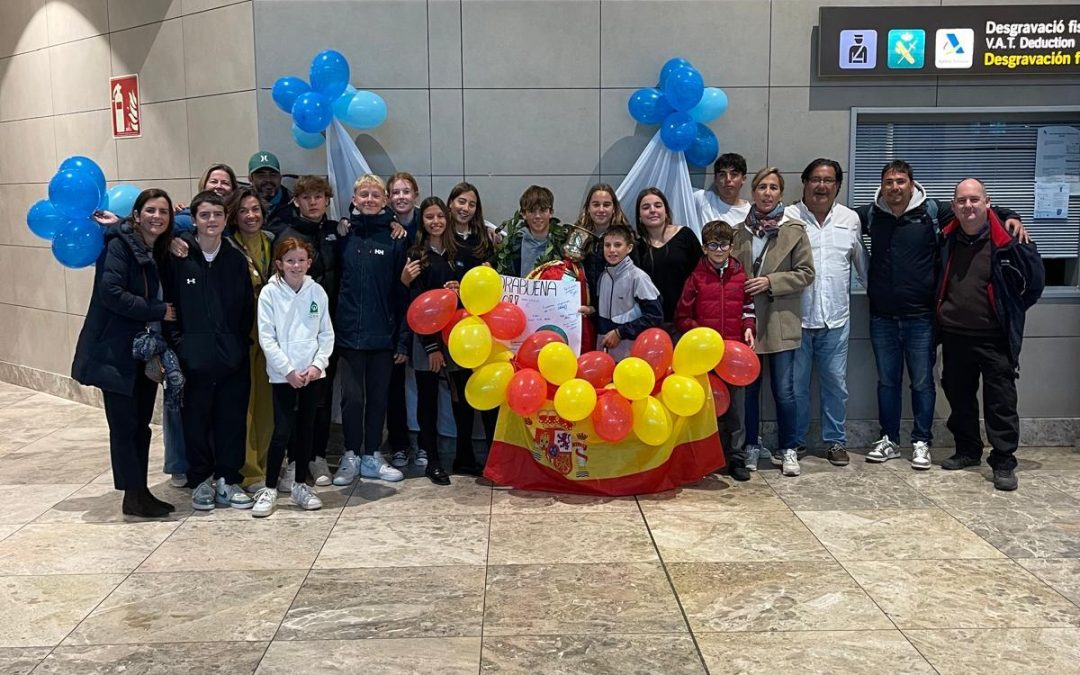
x=126, y=301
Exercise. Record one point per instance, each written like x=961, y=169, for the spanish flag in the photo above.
x=545, y=452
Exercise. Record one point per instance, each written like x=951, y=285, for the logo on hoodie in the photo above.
x=314, y=309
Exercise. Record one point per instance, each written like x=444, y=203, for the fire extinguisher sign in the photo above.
x=126, y=118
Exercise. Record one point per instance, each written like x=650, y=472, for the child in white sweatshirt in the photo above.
x=296, y=335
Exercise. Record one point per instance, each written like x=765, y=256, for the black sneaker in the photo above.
x=740, y=473
x=437, y=475
x=837, y=455
x=1005, y=479
x=960, y=462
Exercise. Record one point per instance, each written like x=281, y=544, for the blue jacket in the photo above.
x=1017, y=278
x=124, y=300
x=372, y=301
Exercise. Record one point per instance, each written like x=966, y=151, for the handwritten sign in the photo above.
x=548, y=305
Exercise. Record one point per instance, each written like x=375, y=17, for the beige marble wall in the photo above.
x=196, y=63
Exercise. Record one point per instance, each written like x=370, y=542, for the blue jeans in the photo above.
x=897, y=342
x=827, y=349
x=782, y=382
x=175, y=451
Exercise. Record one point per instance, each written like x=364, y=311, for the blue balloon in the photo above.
x=684, y=87
x=87, y=166
x=80, y=244
x=286, y=90
x=312, y=112
x=678, y=131
x=713, y=104
x=75, y=194
x=704, y=149
x=329, y=73
x=648, y=106
x=122, y=199
x=670, y=66
x=44, y=220
x=306, y=140
x=182, y=222
x=341, y=103
x=367, y=110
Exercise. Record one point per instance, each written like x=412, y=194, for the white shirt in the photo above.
x=836, y=245
x=711, y=207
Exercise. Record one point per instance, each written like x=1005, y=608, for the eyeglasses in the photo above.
x=718, y=246
x=818, y=180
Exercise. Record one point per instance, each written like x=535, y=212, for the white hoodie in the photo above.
x=294, y=327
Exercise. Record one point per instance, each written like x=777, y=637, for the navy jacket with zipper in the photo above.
x=124, y=300
x=323, y=237
x=372, y=301
x=215, y=309
x=1017, y=279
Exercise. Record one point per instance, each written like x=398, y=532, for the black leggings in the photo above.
x=397, y=424
x=464, y=416
x=294, y=425
x=325, y=411
x=365, y=379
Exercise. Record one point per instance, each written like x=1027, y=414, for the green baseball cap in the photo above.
x=263, y=160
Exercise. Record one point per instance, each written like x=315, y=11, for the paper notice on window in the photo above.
x=1051, y=201
x=1057, y=155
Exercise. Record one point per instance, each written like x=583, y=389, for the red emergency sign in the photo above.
x=124, y=94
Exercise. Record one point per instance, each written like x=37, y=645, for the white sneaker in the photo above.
x=421, y=458
x=232, y=495
x=178, y=480
x=920, y=455
x=287, y=478
x=752, y=454
x=255, y=487
x=347, y=469
x=400, y=459
x=320, y=471
x=305, y=497
x=791, y=462
x=374, y=466
x=265, y=501
x=883, y=450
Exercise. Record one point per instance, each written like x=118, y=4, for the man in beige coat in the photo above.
x=776, y=252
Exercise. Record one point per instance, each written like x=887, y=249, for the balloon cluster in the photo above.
x=75, y=193
x=682, y=105
x=639, y=395
x=313, y=106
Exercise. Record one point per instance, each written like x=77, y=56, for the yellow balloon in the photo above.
x=634, y=378
x=486, y=388
x=652, y=423
x=481, y=290
x=557, y=362
x=500, y=353
x=698, y=351
x=470, y=342
x=575, y=400
x=684, y=396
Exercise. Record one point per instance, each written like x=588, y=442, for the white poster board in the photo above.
x=548, y=305
x=1057, y=155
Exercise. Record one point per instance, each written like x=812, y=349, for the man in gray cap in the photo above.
x=264, y=173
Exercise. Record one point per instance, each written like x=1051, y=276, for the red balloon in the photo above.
x=506, y=321
x=530, y=348
x=740, y=365
x=720, y=395
x=526, y=392
x=596, y=368
x=431, y=310
x=457, y=316
x=654, y=346
x=613, y=418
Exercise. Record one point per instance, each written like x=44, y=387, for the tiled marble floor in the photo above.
x=857, y=570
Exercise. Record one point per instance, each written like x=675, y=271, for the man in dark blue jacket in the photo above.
x=904, y=229
x=989, y=280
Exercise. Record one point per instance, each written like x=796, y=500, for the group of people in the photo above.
x=266, y=297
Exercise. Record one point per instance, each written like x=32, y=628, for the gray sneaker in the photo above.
x=202, y=497
x=752, y=453
x=348, y=469
x=775, y=456
x=920, y=455
x=287, y=478
x=305, y=497
x=883, y=450
x=400, y=459
x=320, y=471
x=791, y=462
x=421, y=458
x=374, y=466
x=232, y=495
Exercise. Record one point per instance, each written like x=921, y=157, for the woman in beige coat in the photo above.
x=776, y=253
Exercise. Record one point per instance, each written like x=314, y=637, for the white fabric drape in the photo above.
x=344, y=164
x=661, y=168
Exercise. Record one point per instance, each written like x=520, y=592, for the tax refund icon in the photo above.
x=906, y=48
x=858, y=49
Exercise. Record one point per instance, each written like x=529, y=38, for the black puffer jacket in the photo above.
x=124, y=300
x=371, y=305
x=215, y=309
x=323, y=237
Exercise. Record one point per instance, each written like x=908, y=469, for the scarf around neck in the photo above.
x=766, y=224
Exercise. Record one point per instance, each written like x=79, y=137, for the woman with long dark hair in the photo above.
x=668, y=252
x=127, y=300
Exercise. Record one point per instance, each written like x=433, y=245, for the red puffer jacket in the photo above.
x=714, y=302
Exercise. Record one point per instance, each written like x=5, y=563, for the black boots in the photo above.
x=143, y=504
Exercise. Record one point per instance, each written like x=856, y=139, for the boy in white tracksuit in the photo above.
x=297, y=337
